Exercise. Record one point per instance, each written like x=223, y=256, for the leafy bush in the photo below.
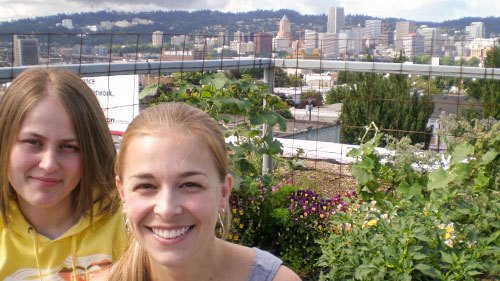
x=417, y=225
x=285, y=221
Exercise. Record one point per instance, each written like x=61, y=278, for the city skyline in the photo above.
x=424, y=10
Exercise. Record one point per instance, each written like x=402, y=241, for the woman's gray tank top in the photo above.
x=264, y=267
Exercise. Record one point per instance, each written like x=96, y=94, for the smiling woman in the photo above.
x=173, y=178
x=60, y=216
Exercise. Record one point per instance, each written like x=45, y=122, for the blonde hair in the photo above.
x=157, y=120
x=96, y=144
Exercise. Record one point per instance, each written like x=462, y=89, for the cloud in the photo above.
x=421, y=10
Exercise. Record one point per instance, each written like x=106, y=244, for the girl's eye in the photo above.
x=70, y=147
x=144, y=186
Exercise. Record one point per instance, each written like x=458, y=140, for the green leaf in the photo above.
x=362, y=175
x=427, y=270
x=150, y=90
x=364, y=271
x=440, y=179
x=489, y=156
x=217, y=80
x=461, y=152
x=447, y=258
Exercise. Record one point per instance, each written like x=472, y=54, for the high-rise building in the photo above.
x=329, y=44
x=285, y=30
x=413, y=44
x=475, y=30
x=25, y=50
x=284, y=36
x=263, y=43
x=355, y=37
x=157, y=38
x=432, y=39
x=403, y=28
x=179, y=40
x=373, y=31
x=67, y=23
x=238, y=36
x=310, y=40
x=336, y=19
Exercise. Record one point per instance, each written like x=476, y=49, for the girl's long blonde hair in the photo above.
x=195, y=124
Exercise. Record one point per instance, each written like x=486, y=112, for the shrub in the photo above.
x=285, y=221
x=418, y=225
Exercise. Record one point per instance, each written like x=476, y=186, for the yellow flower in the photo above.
x=241, y=225
x=371, y=222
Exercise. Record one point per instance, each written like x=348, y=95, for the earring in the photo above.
x=221, y=222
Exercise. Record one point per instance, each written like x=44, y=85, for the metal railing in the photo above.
x=166, y=67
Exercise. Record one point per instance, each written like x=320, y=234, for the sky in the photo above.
x=418, y=10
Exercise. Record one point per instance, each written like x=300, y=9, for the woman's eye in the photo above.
x=144, y=186
x=190, y=184
x=33, y=142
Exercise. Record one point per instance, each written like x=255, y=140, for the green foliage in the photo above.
x=239, y=105
x=284, y=220
x=416, y=225
x=388, y=102
x=488, y=91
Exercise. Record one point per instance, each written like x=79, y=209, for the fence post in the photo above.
x=267, y=161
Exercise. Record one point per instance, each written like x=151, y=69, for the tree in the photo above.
x=389, y=102
x=488, y=91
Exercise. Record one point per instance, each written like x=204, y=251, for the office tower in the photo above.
x=157, y=38
x=329, y=44
x=373, y=31
x=354, y=39
x=223, y=39
x=25, y=50
x=310, y=40
x=432, y=42
x=179, y=40
x=403, y=28
x=336, y=19
x=238, y=36
x=413, y=45
x=284, y=36
x=285, y=30
x=67, y=23
x=475, y=30
x=263, y=43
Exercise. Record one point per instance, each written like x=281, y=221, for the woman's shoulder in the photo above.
x=285, y=274
x=259, y=263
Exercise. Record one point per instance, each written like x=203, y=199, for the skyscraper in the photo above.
x=373, y=30
x=432, y=39
x=475, y=30
x=284, y=36
x=285, y=30
x=25, y=50
x=336, y=19
x=157, y=38
x=403, y=28
x=263, y=43
x=310, y=39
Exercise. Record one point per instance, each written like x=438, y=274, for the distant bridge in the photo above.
x=164, y=67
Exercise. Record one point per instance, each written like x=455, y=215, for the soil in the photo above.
x=323, y=177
